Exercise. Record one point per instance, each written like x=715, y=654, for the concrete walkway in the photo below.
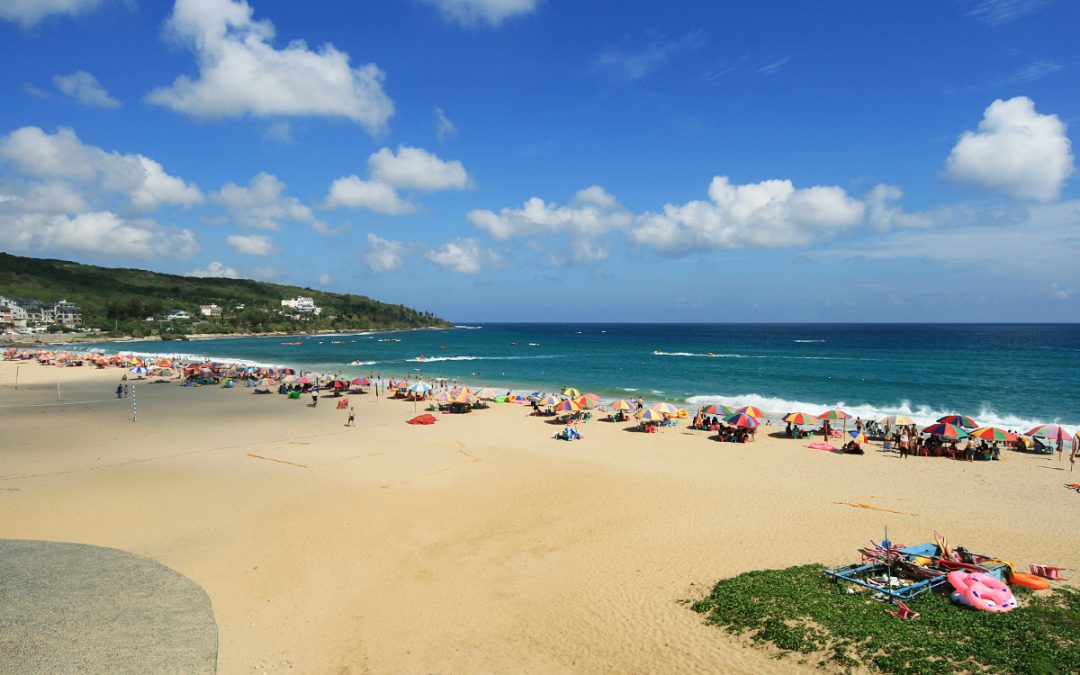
x=67, y=608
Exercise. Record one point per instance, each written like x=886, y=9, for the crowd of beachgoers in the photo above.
x=953, y=436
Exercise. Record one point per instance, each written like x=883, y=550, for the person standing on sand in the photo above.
x=119, y=390
x=314, y=397
x=352, y=417
x=1060, y=444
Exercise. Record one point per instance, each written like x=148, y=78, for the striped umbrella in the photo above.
x=945, y=430
x=834, y=414
x=487, y=394
x=585, y=402
x=621, y=404
x=752, y=411
x=666, y=408
x=896, y=421
x=857, y=436
x=650, y=415
x=1050, y=431
x=718, y=409
x=567, y=405
x=570, y=391
x=960, y=421
x=550, y=399
x=800, y=418
x=741, y=420
x=992, y=434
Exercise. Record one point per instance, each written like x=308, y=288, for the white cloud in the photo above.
x=41, y=157
x=998, y=12
x=279, y=132
x=473, y=12
x=418, y=169
x=84, y=88
x=240, y=72
x=1016, y=151
x=383, y=255
x=444, y=128
x=29, y=12
x=593, y=213
x=354, y=192
x=254, y=244
x=100, y=233
x=215, y=269
x=466, y=256
x=263, y=205
x=325, y=279
x=771, y=213
x=634, y=64
x=1059, y=293
x=883, y=215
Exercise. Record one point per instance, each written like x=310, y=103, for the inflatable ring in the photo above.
x=682, y=414
x=981, y=591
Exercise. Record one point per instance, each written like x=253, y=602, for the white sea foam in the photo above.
x=434, y=359
x=710, y=355
x=808, y=341
x=923, y=415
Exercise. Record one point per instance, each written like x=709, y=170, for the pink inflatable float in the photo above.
x=981, y=591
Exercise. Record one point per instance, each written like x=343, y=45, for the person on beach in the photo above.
x=125, y=391
x=314, y=397
x=1060, y=445
x=352, y=417
x=904, y=441
x=119, y=390
x=640, y=403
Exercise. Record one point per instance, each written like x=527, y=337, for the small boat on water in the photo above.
x=292, y=343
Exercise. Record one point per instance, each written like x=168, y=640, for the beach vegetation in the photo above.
x=799, y=611
x=132, y=302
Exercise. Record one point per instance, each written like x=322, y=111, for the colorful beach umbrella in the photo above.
x=361, y=381
x=742, y=420
x=752, y=411
x=800, y=418
x=834, y=414
x=420, y=388
x=945, y=430
x=718, y=409
x=567, y=405
x=896, y=421
x=585, y=403
x=570, y=391
x=666, y=408
x=992, y=434
x=621, y=404
x=857, y=436
x=487, y=394
x=1050, y=432
x=651, y=414
x=550, y=399
x=960, y=421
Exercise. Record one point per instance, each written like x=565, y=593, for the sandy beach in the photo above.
x=478, y=544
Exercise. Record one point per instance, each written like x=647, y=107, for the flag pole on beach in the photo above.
x=134, y=410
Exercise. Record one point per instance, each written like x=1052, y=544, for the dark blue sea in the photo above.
x=1012, y=375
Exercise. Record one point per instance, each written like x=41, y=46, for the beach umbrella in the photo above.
x=139, y=370
x=800, y=418
x=585, y=402
x=945, y=430
x=960, y=421
x=570, y=391
x=420, y=388
x=718, y=409
x=834, y=414
x=441, y=397
x=896, y=421
x=487, y=394
x=992, y=434
x=621, y=404
x=651, y=415
x=550, y=399
x=752, y=411
x=361, y=381
x=338, y=385
x=464, y=396
x=1050, y=432
x=742, y=420
x=857, y=436
x=304, y=380
x=666, y=408
x=289, y=379
x=567, y=405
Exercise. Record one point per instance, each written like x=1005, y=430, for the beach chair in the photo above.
x=1048, y=572
x=902, y=611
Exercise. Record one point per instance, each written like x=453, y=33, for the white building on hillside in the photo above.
x=302, y=305
x=211, y=310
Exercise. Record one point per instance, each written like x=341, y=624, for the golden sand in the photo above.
x=479, y=544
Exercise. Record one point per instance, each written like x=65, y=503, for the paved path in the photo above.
x=73, y=608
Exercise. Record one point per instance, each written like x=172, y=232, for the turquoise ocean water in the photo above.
x=1012, y=375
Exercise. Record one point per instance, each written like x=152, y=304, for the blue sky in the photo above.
x=515, y=160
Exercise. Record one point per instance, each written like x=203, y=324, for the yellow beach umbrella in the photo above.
x=621, y=404
x=570, y=391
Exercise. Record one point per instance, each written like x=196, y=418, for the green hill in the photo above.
x=121, y=300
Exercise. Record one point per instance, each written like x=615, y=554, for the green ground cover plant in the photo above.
x=801, y=611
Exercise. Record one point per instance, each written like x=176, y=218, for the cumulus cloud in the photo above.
x=262, y=204
x=254, y=244
x=84, y=88
x=1059, y=293
x=241, y=73
x=355, y=192
x=29, y=12
x=383, y=255
x=772, y=213
x=491, y=12
x=1015, y=151
x=215, y=269
x=466, y=256
x=100, y=233
x=418, y=169
x=593, y=212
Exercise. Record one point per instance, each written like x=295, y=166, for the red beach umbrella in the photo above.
x=992, y=434
x=752, y=411
x=1049, y=431
x=742, y=420
x=960, y=421
x=800, y=418
x=945, y=430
